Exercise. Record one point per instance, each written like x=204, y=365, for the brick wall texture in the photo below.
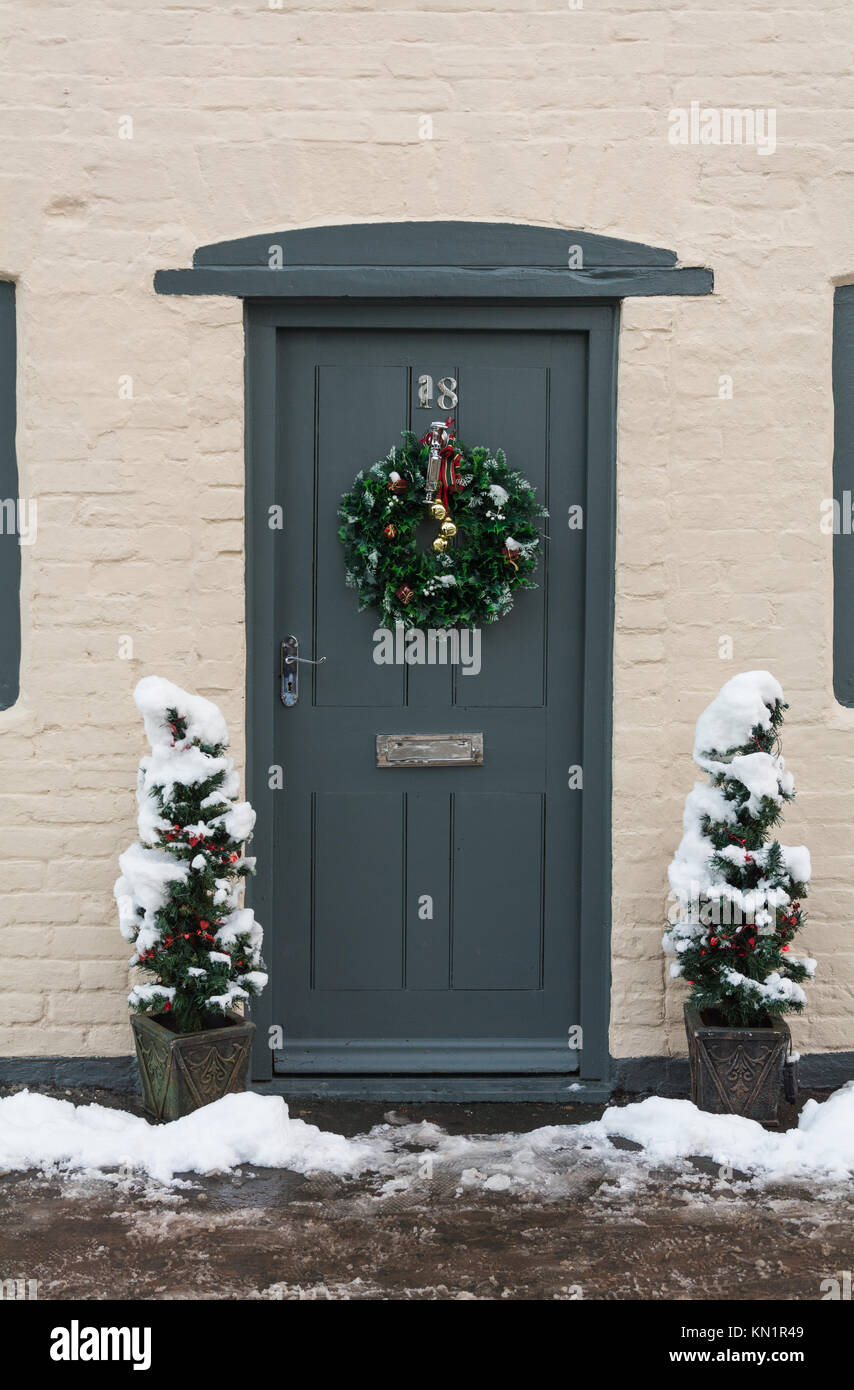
x=247, y=117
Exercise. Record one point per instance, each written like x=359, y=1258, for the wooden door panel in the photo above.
x=498, y=891
x=508, y=408
x=354, y=405
x=356, y=906
x=428, y=890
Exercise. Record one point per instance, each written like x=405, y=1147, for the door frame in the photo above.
x=479, y=274
x=599, y=324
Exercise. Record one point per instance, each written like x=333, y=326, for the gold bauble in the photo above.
x=440, y=543
x=448, y=529
x=437, y=511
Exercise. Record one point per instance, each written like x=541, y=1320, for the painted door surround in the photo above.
x=443, y=278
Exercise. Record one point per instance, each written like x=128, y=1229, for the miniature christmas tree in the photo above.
x=179, y=890
x=737, y=896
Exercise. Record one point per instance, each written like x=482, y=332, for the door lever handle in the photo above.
x=289, y=669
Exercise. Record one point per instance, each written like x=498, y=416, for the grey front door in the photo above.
x=366, y=978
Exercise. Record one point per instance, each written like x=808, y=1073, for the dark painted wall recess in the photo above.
x=10, y=550
x=843, y=494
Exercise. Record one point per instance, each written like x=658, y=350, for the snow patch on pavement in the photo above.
x=39, y=1132
x=669, y=1130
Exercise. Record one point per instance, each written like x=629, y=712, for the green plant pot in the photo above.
x=182, y=1071
x=737, y=1071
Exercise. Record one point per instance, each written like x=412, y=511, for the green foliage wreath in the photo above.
x=489, y=533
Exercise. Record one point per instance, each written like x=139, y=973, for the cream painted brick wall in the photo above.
x=250, y=119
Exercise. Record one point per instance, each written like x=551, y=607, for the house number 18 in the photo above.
x=447, y=393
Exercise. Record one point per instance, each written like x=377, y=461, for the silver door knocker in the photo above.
x=438, y=440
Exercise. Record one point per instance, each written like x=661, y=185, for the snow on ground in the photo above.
x=822, y=1144
x=39, y=1132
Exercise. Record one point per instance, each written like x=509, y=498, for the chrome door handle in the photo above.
x=290, y=663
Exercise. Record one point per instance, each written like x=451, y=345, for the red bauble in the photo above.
x=405, y=594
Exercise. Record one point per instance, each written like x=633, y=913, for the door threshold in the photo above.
x=562, y=1089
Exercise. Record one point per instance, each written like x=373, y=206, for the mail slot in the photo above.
x=429, y=750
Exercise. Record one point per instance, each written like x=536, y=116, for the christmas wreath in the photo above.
x=485, y=547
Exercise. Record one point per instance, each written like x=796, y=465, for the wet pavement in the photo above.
x=611, y=1231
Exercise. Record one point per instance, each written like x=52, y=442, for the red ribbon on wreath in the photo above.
x=449, y=478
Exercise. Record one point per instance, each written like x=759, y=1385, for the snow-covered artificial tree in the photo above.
x=179, y=891
x=737, y=895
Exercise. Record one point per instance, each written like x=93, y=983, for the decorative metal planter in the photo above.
x=737, y=1071
x=182, y=1071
